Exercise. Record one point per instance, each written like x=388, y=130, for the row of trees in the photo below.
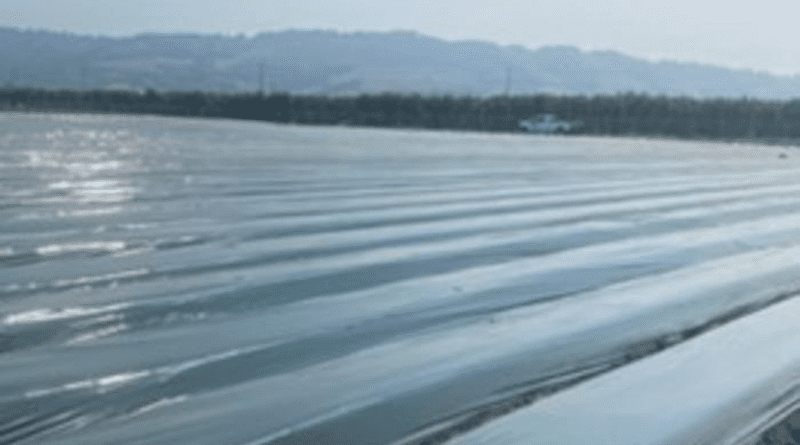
x=625, y=114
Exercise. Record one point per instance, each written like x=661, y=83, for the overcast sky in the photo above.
x=761, y=35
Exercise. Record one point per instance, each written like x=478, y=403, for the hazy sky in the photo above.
x=762, y=35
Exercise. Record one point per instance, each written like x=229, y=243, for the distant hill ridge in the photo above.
x=326, y=62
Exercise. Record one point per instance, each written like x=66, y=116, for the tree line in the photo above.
x=622, y=114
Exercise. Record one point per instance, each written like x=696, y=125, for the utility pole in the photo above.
x=508, y=81
x=509, y=119
x=13, y=77
x=261, y=79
